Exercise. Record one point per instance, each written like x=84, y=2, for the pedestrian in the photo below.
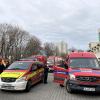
x=46, y=69
x=2, y=65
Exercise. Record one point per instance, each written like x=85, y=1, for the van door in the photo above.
x=34, y=73
x=40, y=70
x=60, y=73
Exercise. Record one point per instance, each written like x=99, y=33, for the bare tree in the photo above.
x=57, y=53
x=16, y=43
x=33, y=46
x=50, y=49
x=12, y=40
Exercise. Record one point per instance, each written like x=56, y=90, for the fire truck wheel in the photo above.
x=28, y=86
x=68, y=87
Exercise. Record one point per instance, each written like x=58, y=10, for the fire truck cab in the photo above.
x=81, y=71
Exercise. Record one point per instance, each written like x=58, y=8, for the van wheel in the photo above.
x=68, y=87
x=2, y=90
x=28, y=86
x=61, y=85
x=42, y=79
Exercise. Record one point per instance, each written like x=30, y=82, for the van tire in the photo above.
x=68, y=87
x=2, y=90
x=28, y=86
x=61, y=85
x=42, y=80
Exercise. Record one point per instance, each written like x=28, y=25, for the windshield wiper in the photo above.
x=15, y=69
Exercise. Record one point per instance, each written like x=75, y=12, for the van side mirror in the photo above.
x=39, y=65
x=33, y=68
x=66, y=66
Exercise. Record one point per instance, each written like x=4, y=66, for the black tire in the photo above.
x=61, y=85
x=28, y=86
x=42, y=79
x=68, y=87
x=2, y=90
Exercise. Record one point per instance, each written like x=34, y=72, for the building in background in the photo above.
x=62, y=47
x=95, y=47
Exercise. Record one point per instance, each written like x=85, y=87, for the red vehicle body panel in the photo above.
x=55, y=60
x=81, y=54
x=42, y=59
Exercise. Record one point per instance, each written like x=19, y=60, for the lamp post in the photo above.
x=99, y=34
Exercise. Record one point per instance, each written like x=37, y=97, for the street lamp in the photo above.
x=99, y=34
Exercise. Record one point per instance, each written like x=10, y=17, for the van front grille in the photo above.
x=7, y=79
x=87, y=78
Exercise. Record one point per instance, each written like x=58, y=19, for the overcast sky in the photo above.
x=73, y=21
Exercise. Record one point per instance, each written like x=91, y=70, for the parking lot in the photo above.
x=50, y=91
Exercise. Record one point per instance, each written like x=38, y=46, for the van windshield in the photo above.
x=84, y=63
x=19, y=66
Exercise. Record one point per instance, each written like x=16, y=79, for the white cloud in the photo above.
x=74, y=21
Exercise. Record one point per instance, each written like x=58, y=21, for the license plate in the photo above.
x=6, y=85
x=8, y=88
x=88, y=89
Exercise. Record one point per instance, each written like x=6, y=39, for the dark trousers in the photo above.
x=45, y=75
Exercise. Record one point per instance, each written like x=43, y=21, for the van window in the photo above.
x=34, y=67
x=84, y=63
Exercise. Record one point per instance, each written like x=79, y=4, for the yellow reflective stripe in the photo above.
x=34, y=73
x=12, y=74
x=31, y=75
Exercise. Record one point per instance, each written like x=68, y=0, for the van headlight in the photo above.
x=22, y=79
x=72, y=77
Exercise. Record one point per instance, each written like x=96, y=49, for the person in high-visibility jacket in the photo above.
x=46, y=69
x=2, y=65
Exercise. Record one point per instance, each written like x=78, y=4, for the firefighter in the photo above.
x=46, y=69
x=2, y=65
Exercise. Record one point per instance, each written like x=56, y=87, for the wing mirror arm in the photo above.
x=66, y=65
